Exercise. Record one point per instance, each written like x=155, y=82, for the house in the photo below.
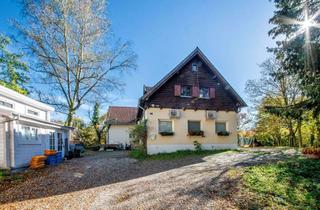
x=121, y=120
x=193, y=102
x=26, y=129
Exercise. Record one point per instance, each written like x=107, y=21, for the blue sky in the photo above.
x=232, y=34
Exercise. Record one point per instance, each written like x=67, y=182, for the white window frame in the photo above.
x=185, y=96
x=225, y=122
x=165, y=120
x=8, y=102
x=194, y=121
x=52, y=137
x=32, y=110
x=29, y=138
x=208, y=92
x=194, y=67
x=58, y=141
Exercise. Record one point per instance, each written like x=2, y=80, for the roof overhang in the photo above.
x=24, y=99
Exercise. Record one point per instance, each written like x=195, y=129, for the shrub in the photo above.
x=197, y=146
x=139, y=132
x=138, y=153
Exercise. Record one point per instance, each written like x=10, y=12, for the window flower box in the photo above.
x=196, y=133
x=166, y=133
x=223, y=133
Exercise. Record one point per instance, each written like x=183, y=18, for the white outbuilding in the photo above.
x=26, y=129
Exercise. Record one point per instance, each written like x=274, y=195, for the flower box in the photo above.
x=196, y=133
x=166, y=133
x=223, y=133
x=310, y=152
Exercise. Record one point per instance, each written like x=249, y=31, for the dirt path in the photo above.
x=118, y=182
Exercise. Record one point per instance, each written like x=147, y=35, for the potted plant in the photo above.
x=166, y=133
x=196, y=133
x=311, y=152
x=223, y=133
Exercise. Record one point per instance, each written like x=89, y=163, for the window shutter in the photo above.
x=177, y=90
x=212, y=92
x=195, y=91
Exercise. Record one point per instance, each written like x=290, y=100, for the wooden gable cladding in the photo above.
x=168, y=95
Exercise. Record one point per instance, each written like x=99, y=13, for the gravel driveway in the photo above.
x=114, y=181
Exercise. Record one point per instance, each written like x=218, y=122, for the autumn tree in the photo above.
x=75, y=59
x=276, y=88
x=13, y=71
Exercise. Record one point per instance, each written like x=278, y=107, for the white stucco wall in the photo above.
x=181, y=140
x=119, y=134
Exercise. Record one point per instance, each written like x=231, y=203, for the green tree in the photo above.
x=99, y=124
x=12, y=70
x=298, y=47
x=83, y=133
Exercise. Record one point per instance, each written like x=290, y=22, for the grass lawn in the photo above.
x=140, y=155
x=289, y=184
x=4, y=174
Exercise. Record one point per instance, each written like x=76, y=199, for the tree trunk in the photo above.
x=291, y=135
x=69, y=119
x=317, y=143
x=299, y=133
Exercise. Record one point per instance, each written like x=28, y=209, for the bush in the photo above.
x=139, y=132
x=138, y=153
x=197, y=146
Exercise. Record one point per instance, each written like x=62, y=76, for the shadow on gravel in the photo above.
x=85, y=173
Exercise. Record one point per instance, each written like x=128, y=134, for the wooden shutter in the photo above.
x=212, y=93
x=195, y=91
x=177, y=90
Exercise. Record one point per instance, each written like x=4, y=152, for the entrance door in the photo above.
x=60, y=143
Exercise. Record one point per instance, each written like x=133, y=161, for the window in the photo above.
x=6, y=104
x=204, y=92
x=194, y=67
x=52, y=143
x=194, y=126
x=29, y=133
x=165, y=126
x=221, y=127
x=59, y=141
x=186, y=91
x=31, y=112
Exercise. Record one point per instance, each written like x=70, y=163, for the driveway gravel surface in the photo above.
x=112, y=180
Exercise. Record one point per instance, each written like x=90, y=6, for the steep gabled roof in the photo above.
x=196, y=52
x=121, y=115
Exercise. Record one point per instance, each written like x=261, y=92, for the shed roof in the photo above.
x=121, y=115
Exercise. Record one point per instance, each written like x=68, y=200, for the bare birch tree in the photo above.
x=75, y=58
